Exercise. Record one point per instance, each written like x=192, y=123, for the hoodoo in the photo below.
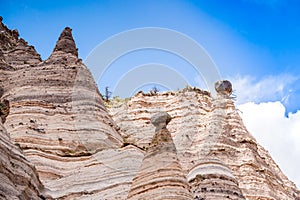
x=59, y=141
x=160, y=175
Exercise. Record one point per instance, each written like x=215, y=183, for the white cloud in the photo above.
x=277, y=133
x=271, y=88
x=263, y=103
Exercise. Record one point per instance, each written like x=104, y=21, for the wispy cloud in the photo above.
x=278, y=133
x=271, y=88
x=263, y=103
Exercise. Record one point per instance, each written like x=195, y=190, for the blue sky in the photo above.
x=254, y=43
x=256, y=38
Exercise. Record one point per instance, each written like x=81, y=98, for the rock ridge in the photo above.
x=63, y=143
x=204, y=128
x=15, y=51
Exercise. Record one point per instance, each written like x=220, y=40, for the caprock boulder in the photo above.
x=59, y=141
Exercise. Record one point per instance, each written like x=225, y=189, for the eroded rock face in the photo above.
x=211, y=179
x=4, y=110
x=160, y=120
x=58, y=118
x=79, y=151
x=14, y=50
x=19, y=179
x=65, y=52
x=203, y=128
x=160, y=175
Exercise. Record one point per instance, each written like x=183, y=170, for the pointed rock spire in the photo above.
x=160, y=175
x=66, y=42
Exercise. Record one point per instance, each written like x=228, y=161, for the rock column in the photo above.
x=160, y=175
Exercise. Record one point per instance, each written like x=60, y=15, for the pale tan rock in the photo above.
x=204, y=127
x=58, y=119
x=160, y=175
x=19, y=179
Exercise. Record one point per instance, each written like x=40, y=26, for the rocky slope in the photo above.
x=204, y=128
x=14, y=50
x=62, y=143
x=57, y=117
x=19, y=179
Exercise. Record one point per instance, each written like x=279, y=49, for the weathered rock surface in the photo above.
x=223, y=87
x=66, y=42
x=14, y=50
x=58, y=118
x=19, y=179
x=203, y=128
x=211, y=179
x=160, y=120
x=160, y=175
x=78, y=151
x=4, y=110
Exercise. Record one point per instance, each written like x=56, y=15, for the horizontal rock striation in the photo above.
x=204, y=127
x=58, y=118
x=210, y=179
x=61, y=133
x=160, y=175
x=59, y=106
x=19, y=179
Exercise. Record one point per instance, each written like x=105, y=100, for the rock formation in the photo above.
x=58, y=118
x=205, y=128
x=211, y=179
x=19, y=179
x=15, y=50
x=62, y=142
x=4, y=110
x=160, y=175
x=223, y=87
x=66, y=42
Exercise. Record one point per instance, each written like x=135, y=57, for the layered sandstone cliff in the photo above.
x=59, y=121
x=19, y=179
x=205, y=128
x=67, y=145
